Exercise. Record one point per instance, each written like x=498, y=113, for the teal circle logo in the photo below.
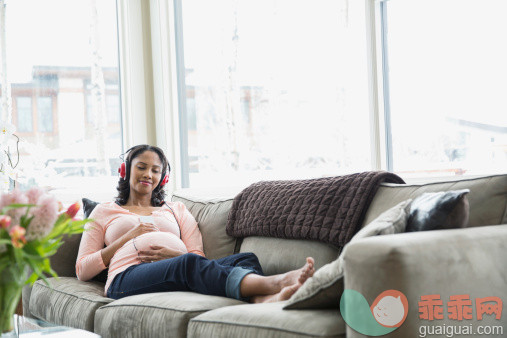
x=387, y=312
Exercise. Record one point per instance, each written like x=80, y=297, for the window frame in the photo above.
x=151, y=82
x=378, y=135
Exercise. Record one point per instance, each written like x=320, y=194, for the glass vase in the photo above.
x=10, y=294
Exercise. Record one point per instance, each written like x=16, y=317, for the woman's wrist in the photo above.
x=109, y=251
x=125, y=238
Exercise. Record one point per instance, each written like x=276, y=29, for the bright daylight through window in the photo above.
x=273, y=90
x=446, y=85
x=62, y=66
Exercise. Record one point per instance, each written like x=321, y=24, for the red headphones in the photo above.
x=122, y=170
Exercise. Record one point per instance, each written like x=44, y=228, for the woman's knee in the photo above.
x=251, y=256
x=191, y=258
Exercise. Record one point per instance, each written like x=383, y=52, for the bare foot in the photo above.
x=263, y=287
x=298, y=276
x=284, y=294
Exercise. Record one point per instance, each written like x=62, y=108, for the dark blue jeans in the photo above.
x=189, y=272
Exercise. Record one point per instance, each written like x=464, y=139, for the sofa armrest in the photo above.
x=63, y=262
x=471, y=261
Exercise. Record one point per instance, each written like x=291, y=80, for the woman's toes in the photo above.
x=303, y=277
x=311, y=272
x=307, y=271
x=287, y=292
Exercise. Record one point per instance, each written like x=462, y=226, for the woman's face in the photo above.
x=145, y=172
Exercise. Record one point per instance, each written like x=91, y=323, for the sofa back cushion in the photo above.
x=487, y=198
x=64, y=263
x=211, y=210
x=278, y=255
x=211, y=216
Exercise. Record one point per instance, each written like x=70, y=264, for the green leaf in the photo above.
x=80, y=223
x=34, y=257
x=32, y=279
x=4, y=262
x=43, y=277
x=34, y=265
x=25, y=221
x=5, y=241
x=53, y=273
x=18, y=255
x=16, y=206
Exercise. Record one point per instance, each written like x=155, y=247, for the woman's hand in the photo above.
x=142, y=228
x=158, y=253
x=108, y=252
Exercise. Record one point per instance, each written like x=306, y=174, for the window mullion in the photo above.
x=385, y=85
x=182, y=95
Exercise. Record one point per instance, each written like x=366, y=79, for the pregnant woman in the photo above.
x=153, y=246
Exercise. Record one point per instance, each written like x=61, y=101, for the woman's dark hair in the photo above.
x=158, y=195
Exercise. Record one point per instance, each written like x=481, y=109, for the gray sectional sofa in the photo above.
x=470, y=261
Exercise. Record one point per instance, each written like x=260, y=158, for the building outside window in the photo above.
x=445, y=85
x=65, y=144
x=45, y=114
x=25, y=115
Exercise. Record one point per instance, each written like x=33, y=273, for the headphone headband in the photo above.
x=122, y=170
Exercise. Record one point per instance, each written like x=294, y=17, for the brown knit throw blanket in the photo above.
x=329, y=209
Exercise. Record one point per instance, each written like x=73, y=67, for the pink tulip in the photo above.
x=5, y=221
x=73, y=209
x=17, y=234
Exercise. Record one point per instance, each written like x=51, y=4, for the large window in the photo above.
x=25, y=115
x=62, y=62
x=272, y=90
x=45, y=114
x=279, y=89
x=445, y=76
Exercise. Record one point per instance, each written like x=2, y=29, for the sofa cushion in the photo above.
x=278, y=255
x=266, y=320
x=439, y=210
x=67, y=302
x=487, y=197
x=323, y=290
x=155, y=314
x=211, y=216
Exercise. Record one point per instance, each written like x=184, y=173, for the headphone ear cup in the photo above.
x=122, y=170
x=164, y=180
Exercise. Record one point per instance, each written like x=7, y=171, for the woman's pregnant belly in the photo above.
x=128, y=253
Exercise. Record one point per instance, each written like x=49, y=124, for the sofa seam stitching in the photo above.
x=442, y=182
x=68, y=294
x=150, y=306
x=201, y=202
x=193, y=320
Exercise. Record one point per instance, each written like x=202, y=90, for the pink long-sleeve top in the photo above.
x=112, y=221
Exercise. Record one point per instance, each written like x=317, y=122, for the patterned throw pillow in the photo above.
x=439, y=210
x=323, y=290
x=88, y=206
